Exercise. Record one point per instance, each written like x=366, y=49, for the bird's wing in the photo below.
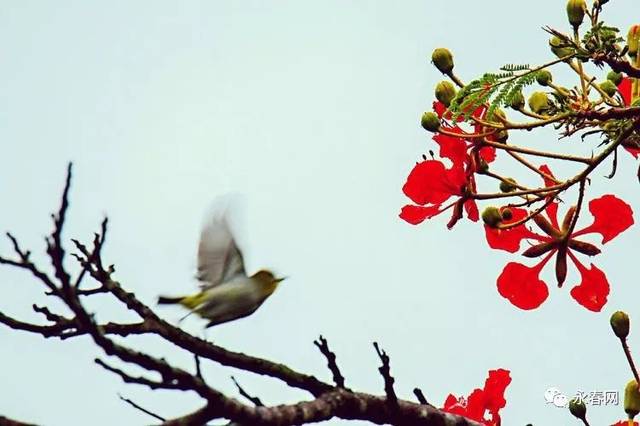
x=218, y=255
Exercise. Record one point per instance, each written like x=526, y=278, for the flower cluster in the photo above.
x=482, y=405
x=521, y=284
x=449, y=183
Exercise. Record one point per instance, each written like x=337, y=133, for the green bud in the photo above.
x=517, y=101
x=620, y=324
x=507, y=214
x=558, y=48
x=608, y=87
x=578, y=408
x=544, y=78
x=445, y=92
x=484, y=166
x=575, y=12
x=633, y=39
x=430, y=121
x=614, y=77
x=491, y=216
x=632, y=399
x=442, y=59
x=538, y=102
x=508, y=185
x=501, y=136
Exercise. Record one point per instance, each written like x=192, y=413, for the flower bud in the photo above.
x=578, y=408
x=575, y=12
x=557, y=47
x=442, y=59
x=491, y=216
x=517, y=101
x=539, y=102
x=484, y=166
x=430, y=121
x=507, y=214
x=633, y=39
x=632, y=399
x=620, y=324
x=544, y=78
x=614, y=77
x=501, y=136
x=508, y=185
x=608, y=87
x=445, y=92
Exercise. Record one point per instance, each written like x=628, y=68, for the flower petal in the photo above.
x=593, y=290
x=611, y=216
x=521, y=285
x=471, y=208
x=429, y=183
x=625, y=90
x=488, y=154
x=418, y=214
x=455, y=149
x=494, y=388
x=510, y=239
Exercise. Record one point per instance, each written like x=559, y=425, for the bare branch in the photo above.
x=385, y=371
x=323, y=346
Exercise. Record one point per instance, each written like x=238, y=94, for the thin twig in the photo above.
x=144, y=410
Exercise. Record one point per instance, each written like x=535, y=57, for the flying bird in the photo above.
x=226, y=291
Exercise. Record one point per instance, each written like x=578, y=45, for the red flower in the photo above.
x=456, y=148
x=489, y=400
x=521, y=284
x=430, y=184
x=625, y=88
x=624, y=423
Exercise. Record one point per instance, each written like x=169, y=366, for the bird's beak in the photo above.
x=279, y=280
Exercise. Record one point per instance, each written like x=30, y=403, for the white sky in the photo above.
x=311, y=109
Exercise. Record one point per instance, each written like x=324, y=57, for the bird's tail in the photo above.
x=165, y=300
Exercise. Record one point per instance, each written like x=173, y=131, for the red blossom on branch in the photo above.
x=430, y=184
x=625, y=88
x=457, y=149
x=482, y=402
x=521, y=284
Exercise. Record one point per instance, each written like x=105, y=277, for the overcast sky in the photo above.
x=312, y=110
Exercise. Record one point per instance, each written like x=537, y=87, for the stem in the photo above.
x=503, y=179
x=530, y=166
x=538, y=153
x=523, y=126
x=532, y=114
x=537, y=191
x=574, y=219
x=465, y=135
x=576, y=38
x=455, y=79
x=578, y=69
x=627, y=353
x=529, y=216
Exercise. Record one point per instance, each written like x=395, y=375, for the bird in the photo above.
x=226, y=293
